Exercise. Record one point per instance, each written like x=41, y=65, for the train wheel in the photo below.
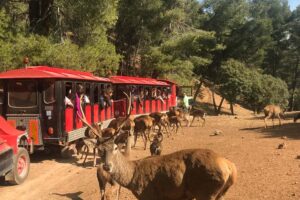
x=21, y=166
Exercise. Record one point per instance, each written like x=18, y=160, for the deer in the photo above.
x=90, y=141
x=103, y=176
x=273, y=111
x=197, y=113
x=181, y=115
x=156, y=145
x=187, y=174
x=161, y=120
x=143, y=124
x=175, y=122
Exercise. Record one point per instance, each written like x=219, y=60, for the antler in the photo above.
x=84, y=120
x=128, y=112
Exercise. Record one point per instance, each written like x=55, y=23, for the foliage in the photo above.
x=251, y=88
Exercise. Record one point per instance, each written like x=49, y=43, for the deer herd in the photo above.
x=188, y=174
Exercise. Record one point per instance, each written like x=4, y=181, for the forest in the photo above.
x=247, y=50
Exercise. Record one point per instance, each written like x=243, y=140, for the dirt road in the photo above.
x=264, y=172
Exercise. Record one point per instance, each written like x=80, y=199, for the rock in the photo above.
x=282, y=146
x=284, y=137
x=217, y=132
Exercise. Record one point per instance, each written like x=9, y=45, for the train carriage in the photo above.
x=34, y=98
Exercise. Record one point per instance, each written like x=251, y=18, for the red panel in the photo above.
x=165, y=107
x=102, y=114
x=108, y=112
x=78, y=122
x=112, y=108
x=120, y=107
x=88, y=113
x=96, y=113
x=34, y=130
x=147, y=106
x=173, y=95
x=158, y=105
x=140, y=108
x=153, y=102
x=69, y=119
x=133, y=111
x=12, y=122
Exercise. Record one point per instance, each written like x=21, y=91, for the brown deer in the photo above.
x=104, y=177
x=161, y=120
x=273, y=111
x=175, y=122
x=143, y=125
x=156, y=145
x=197, y=113
x=186, y=174
x=90, y=141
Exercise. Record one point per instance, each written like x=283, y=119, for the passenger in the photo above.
x=107, y=96
x=154, y=93
x=80, y=100
x=141, y=98
x=159, y=96
x=68, y=101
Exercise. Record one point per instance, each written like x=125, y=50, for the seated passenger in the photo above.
x=68, y=101
x=159, y=96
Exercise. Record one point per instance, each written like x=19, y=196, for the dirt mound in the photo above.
x=206, y=101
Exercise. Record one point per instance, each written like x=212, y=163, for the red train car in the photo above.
x=35, y=99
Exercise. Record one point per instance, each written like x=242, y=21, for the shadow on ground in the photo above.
x=74, y=196
x=289, y=130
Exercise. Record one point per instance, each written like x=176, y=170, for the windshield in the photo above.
x=22, y=94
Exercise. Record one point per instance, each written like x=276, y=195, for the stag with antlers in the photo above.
x=187, y=174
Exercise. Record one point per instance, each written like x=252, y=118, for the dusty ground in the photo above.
x=264, y=172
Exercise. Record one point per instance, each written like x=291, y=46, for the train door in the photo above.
x=51, y=118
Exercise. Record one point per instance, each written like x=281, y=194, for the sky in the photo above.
x=294, y=3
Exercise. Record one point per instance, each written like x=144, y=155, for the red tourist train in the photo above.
x=35, y=99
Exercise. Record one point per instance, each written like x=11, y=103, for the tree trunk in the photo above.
x=214, y=101
x=197, y=90
x=231, y=108
x=294, y=85
x=39, y=16
x=220, y=106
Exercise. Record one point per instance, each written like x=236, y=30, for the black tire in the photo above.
x=21, y=166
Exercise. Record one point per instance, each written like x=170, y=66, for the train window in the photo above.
x=49, y=92
x=69, y=98
x=88, y=90
x=22, y=94
x=1, y=92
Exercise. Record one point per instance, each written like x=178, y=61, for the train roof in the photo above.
x=137, y=81
x=40, y=72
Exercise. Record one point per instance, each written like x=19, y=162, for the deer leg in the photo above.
x=203, y=123
x=86, y=154
x=145, y=139
x=273, y=121
x=95, y=158
x=267, y=117
x=135, y=138
x=192, y=120
x=278, y=116
x=84, y=150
